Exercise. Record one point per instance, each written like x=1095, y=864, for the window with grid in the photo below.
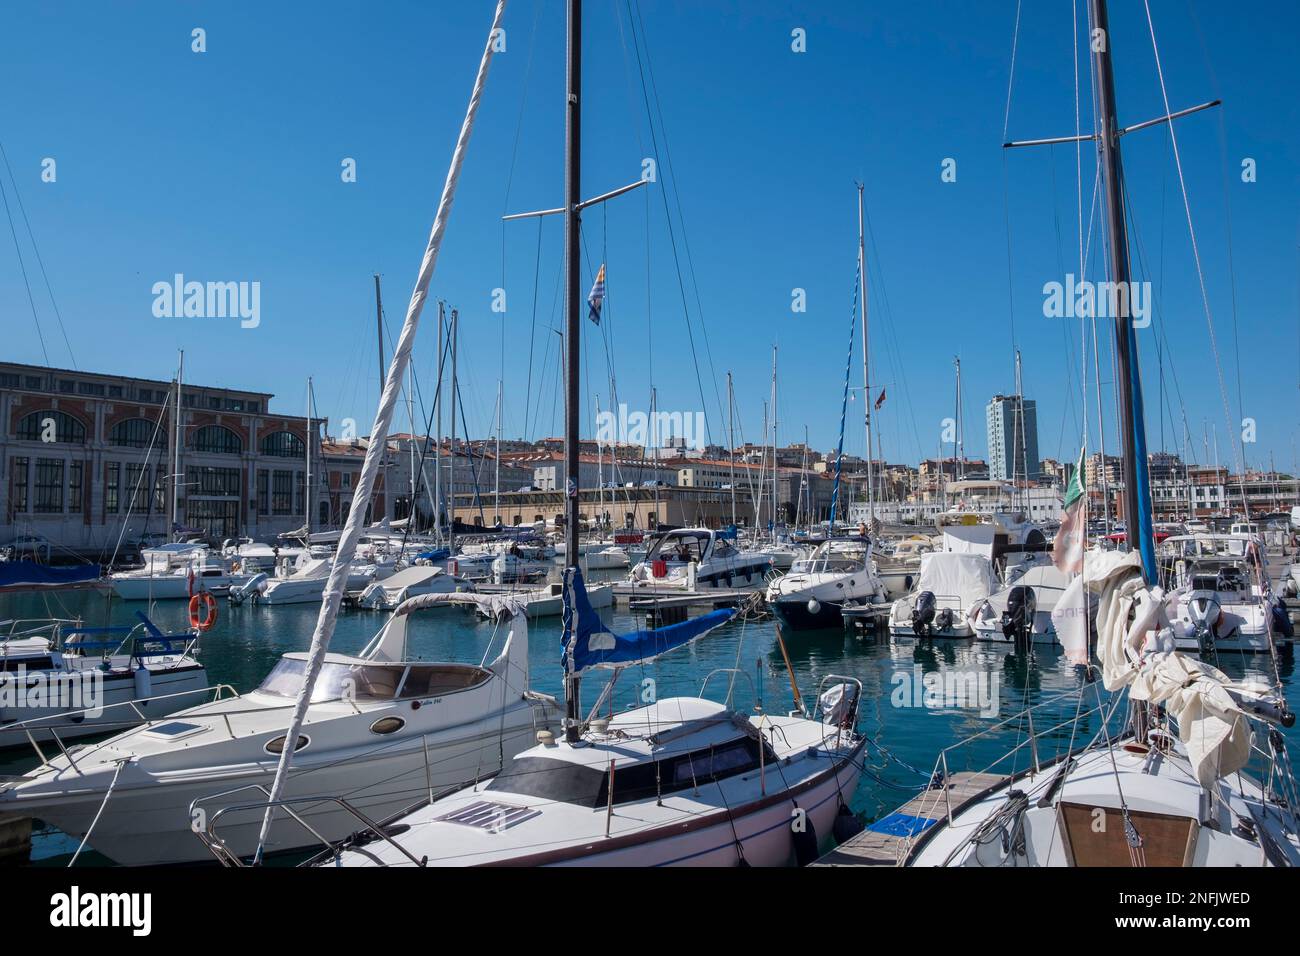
x=218, y=440
x=263, y=492
x=283, y=445
x=63, y=428
x=17, y=486
x=74, y=487
x=47, y=488
x=137, y=433
x=112, y=487
x=282, y=493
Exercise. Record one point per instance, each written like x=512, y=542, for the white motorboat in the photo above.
x=952, y=587
x=60, y=681
x=696, y=559
x=306, y=584
x=411, y=582
x=683, y=781
x=608, y=558
x=382, y=733
x=176, y=571
x=515, y=568
x=900, y=568
x=1022, y=609
x=812, y=594
x=1221, y=600
x=548, y=600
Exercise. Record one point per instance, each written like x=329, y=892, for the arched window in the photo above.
x=137, y=433
x=283, y=445
x=50, y=425
x=216, y=439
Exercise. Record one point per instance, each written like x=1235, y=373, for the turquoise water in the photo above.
x=909, y=728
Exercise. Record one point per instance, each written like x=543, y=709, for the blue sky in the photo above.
x=225, y=166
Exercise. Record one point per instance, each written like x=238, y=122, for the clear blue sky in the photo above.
x=226, y=166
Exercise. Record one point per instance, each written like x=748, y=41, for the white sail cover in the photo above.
x=1139, y=656
x=963, y=578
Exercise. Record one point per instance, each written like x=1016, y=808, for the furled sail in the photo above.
x=1202, y=700
x=587, y=642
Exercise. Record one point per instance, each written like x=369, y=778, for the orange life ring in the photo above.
x=208, y=618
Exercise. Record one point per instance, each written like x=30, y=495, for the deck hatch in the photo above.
x=490, y=816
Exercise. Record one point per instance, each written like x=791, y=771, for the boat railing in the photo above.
x=71, y=718
x=204, y=826
x=1032, y=729
x=731, y=685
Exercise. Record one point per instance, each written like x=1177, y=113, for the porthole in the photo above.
x=276, y=746
x=387, y=725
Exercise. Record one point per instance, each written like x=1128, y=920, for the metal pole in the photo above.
x=866, y=364
x=573, y=314
x=1137, y=516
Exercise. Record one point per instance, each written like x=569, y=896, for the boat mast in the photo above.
x=451, y=463
x=959, y=439
x=866, y=365
x=306, y=492
x=437, y=439
x=1137, y=511
x=496, y=481
x=379, y=331
x=176, y=448
x=774, y=444
x=731, y=445
x=573, y=321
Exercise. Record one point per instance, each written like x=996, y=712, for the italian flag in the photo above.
x=1068, y=548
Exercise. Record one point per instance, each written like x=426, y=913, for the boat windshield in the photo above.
x=336, y=681
x=838, y=556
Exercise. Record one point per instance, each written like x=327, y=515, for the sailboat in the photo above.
x=1172, y=788
x=683, y=780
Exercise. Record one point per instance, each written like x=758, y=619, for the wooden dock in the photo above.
x=885, y=842
x=865, y=617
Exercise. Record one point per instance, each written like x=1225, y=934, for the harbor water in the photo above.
x=918, y=698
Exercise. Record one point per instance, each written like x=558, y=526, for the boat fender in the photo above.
x=805, y=838
x=846, y=825
x=814, y=605
x=1282, y=621
x=143, y=683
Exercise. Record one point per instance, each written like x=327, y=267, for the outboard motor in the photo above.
x=923, y=613
x=1018, y=618
x=1204, y=612
x=943, y=620
x=255, y=585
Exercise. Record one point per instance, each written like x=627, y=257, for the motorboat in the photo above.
x=177, y=571
x=60, y=680
x=383, y=732
x=1021, y=612
x=548, y=600
x=952, y=587
x=306, y=584
x=608, y=558
x=698, y=558
x=683, y=781
x=812, y=594
x=901, y=566
x=1221, y=598
x=410, y=582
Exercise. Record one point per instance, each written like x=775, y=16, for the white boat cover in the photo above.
x=970, y=539
x=966, y=577
x=1139, y=656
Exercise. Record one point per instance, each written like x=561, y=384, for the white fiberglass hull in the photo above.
x=167, y=690
x=171, y=587
x=147, y=818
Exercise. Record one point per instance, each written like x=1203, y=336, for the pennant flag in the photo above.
x=881, y=400
x=597, y=297
x=1068, y=548
x=1070, y=620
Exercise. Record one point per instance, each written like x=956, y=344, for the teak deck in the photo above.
x=875, y=848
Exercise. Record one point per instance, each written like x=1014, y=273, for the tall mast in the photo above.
x=1018, y=436
x=451, y=465
x=437, y=439
x=774, y=444
x=496, y=481
x=866, y=364
x=1137, y=498
x=379, y=331
x=731, y=445
x=573, y=317
x=176, y=447
x=306, y=491
x=959, y=440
